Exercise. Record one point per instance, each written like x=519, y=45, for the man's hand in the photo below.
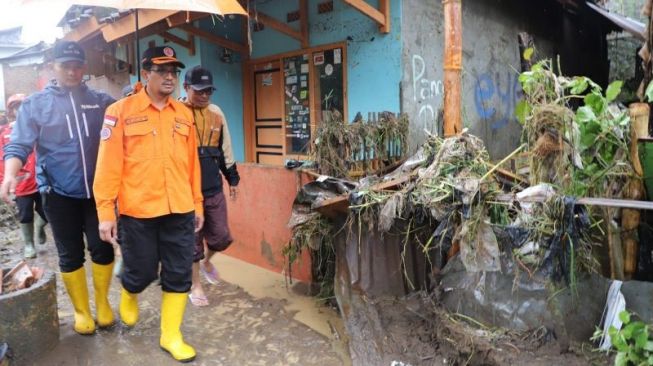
x=109, y=232
x=199, y=222
x=233, y=192
x=8, y=189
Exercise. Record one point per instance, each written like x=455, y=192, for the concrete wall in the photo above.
x=374, y=59
x=491, y=63
x=23, y=79
x=258, y=218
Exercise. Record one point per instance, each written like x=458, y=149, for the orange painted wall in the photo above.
x=258, y=218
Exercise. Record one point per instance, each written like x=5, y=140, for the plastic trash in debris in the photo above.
x=5, y=354
x=615, y=304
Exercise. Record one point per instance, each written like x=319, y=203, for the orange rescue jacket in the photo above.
x=147, y=160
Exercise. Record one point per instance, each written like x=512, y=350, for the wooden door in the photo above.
x=268, y=114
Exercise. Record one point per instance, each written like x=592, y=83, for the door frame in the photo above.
x=248, y=92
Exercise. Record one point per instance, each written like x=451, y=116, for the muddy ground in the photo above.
x=236, y=329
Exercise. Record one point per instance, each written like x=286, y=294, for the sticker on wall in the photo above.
x=304, y=69
x=305, y=56
x=303, y=83
x=337, y=56
x=268, y=66
x=302, y=94
x=303, y=78
x=291, y=80
x=328, y=69
x=318, y=58
x=267, y=80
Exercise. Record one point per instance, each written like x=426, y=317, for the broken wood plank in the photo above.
x=271, y=22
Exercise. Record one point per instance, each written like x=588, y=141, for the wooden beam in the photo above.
x=220, y=41
x=268, y=21
x=381, y=17
x=303, y=19
x=178, y=40
x=384, y=7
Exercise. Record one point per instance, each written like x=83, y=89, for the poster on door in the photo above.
x=297, y=106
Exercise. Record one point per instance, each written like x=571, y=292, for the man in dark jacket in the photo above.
x=64, y=121
x=216, y=156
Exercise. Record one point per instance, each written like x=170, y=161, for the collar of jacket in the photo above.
x=63, y=90
x=142, y=100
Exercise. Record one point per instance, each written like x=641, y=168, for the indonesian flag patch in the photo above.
x=110, y=120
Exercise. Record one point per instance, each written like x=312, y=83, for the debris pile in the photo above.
x=21, y=276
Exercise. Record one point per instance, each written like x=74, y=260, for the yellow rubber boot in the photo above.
x=173, y=306
x=128, y=308
x=101, y=280
x=75, y=283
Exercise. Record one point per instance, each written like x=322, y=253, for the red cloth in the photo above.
x=27, y=175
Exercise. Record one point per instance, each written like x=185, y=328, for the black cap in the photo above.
x=160, y=56
x=199, y=78
x=68, y=51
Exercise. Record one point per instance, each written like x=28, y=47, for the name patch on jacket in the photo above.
x=90, y=106
x=110, y=120
x=131, y=120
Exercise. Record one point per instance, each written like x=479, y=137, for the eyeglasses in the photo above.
x=164, y=72
x=207, y=92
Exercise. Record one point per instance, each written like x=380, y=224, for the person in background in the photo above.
x=216, y=156
x=63, y=122
x=148, y=163
x=28, y=199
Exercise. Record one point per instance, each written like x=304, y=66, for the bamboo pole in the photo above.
x=630, y=218
x=453, y=55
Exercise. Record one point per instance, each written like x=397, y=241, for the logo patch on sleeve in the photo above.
x=110, y=120
x=105, y=133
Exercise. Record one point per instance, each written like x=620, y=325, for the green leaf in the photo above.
x=649, y=92
x=641, y=337
x=578, y=85
x=648, y=346
x=595, y=101
x=528, y=53
x=624, y=316
x=522, y=111
x=613, y=90
x=621, y=359
x=585, y=114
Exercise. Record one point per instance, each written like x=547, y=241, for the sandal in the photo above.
x=212, y=277
x=198, y=301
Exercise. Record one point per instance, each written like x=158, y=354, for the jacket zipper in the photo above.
x=85, y=123
x=70, y=129
x=81, y=146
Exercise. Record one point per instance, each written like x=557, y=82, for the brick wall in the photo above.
x=25, y=79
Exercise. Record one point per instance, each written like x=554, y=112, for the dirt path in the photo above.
x=238, y=328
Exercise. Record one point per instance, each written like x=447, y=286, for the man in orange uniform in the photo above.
x=148, y=162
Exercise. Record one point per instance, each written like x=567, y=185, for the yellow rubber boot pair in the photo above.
x=75, y=283
x=102, y=274
x=173, y=306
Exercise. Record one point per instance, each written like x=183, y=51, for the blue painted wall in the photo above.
x=373, y=59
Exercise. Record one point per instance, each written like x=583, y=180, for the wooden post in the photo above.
x=453, y=55
x=630, y=218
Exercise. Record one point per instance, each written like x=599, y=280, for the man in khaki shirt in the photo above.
x=148, y=162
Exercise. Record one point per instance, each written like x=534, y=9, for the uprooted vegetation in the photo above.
x=577, y=145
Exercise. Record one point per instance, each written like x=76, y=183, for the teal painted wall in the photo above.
x=373, y=59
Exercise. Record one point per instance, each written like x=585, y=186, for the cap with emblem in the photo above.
x=160, y=56
x=65, y=51
x=199, y=78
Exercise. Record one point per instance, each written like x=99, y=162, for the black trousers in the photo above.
x=168, y=239
x=71, y=219
x=26, y=207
